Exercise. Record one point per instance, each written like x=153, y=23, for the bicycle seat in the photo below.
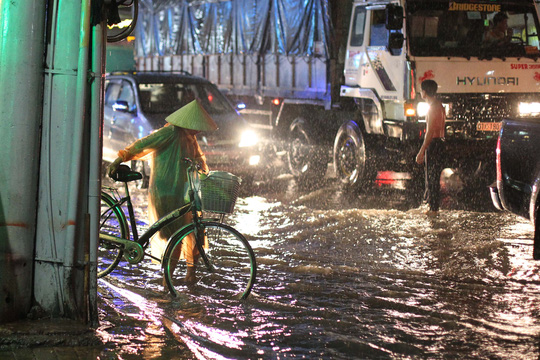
x=125, y=174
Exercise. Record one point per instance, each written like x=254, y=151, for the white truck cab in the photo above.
x=448, y=42
x=483, y=55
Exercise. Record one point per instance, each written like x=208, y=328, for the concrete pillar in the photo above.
x=62, y=223
x=21, y=78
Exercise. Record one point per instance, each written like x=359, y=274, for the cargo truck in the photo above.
x=338, y=81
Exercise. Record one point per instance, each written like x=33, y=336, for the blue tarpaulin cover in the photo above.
x=182, y=27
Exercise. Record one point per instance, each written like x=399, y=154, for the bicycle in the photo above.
x=228, y=260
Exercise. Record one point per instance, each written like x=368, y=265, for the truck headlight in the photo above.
x=248, y=138
x=529, y=108
x=422, y=109
x=254, y=160
x=419, y=109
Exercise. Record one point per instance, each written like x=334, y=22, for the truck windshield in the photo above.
x=483, y=29
x=159, y=98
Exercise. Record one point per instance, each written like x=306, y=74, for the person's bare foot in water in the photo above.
x=191, y=278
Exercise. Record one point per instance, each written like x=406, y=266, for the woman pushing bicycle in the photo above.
x=168, y=185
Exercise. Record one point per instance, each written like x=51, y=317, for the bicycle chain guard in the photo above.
x=133, y=251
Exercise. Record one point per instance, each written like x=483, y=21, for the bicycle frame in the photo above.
x=196, y=209
x=118, y=204
x=134, y=249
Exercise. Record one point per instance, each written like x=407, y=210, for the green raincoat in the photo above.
x=168, y=186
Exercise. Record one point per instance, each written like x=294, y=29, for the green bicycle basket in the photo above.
x=219, y=191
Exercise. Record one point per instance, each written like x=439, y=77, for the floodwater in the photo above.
x=344, y=276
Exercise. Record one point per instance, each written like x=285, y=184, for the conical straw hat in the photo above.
x=192, y=116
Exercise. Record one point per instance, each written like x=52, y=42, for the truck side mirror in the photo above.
x=394, y=17
x=395, y=40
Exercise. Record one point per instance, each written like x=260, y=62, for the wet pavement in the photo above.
x=48, y=339
x=342, y=276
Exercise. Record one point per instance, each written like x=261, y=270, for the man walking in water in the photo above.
x=432, y=151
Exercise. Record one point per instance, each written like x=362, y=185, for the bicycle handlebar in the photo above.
x=196, y=165
x=191, y=162
x=193, y=175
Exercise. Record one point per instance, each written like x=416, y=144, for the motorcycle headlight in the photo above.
x=529, y=108
x=248, y=138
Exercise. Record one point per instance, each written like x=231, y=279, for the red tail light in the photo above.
x=498, y=159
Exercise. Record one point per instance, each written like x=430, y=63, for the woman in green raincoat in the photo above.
x=168, y=185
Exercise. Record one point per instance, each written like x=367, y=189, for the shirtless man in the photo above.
x=432, y=149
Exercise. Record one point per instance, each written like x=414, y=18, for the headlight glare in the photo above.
x=254, y=160
x=529, y=108
x=422, y=109
x=248, y=138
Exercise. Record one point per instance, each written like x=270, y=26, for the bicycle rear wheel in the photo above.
x=231, y=268
x=112, y=222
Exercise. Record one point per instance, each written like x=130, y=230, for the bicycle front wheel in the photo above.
x=229, y=271
x=112, y=222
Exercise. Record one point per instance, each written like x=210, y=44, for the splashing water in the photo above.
x=346, y=277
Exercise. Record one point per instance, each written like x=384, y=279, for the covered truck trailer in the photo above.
x=338, y=81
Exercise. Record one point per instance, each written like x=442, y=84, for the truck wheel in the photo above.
x=476, y=177
x=477, y=173
x=351, y=158
x=137, y=165
x=307, y=161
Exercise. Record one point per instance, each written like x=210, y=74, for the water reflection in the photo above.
x=341, y=277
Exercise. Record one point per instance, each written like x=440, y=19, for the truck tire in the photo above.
x=307, y=159
x=477, y=172
x=352, y=159
x=476, y=176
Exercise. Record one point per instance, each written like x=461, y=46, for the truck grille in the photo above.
x=484, y=108
x=478, y=116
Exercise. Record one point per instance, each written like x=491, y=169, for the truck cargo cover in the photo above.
x=182, y=27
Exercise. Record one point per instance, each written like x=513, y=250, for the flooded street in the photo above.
x=344, y=276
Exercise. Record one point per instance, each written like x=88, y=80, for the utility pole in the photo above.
x=22, y=28
x=51, y=116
